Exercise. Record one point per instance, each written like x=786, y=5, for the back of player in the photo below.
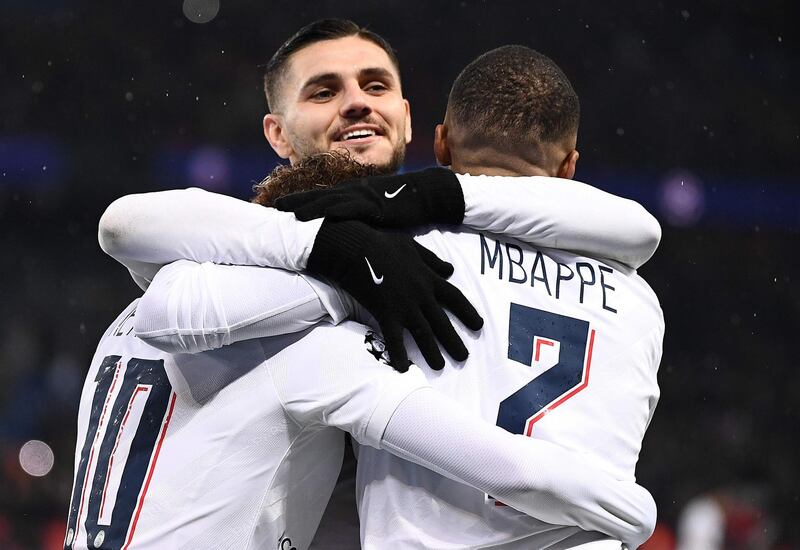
x=182, y=451
x=569, y=353
x=224, y=449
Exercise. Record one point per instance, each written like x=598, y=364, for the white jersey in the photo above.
x=205, y=227
x=568, y=353
x=233, y=448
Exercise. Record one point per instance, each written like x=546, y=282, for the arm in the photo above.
x=149, y=230
x=542, y=211
x=400, y=283
x=352, y=389
x=533, y=476
x=192, y=310
x=191, y=307
x=564, y=214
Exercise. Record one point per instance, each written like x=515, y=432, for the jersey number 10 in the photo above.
x=110, y=496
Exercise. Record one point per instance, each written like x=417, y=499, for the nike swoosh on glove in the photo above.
x=432, y=196
x=400, y=282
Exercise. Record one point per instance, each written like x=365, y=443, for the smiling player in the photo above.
x=200, y=205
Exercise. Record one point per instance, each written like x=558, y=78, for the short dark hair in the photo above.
x=513, y=94
x=318, y=31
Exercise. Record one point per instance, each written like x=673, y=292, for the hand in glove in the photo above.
x=400, y=282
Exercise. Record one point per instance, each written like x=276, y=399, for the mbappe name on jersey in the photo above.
x=511, y=262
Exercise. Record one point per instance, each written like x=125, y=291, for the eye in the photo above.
x=322, y=95
x=376, y=87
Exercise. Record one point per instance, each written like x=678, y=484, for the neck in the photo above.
x=489, y=162
x=476, y=170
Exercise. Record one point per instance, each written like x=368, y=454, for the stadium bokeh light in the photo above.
x=200, y=11
x=209, y=168
x=36, y=458
x=682, y=199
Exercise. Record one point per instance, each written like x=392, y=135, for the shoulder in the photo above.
x=649, y=300
x=447, y=238
x=123, y=324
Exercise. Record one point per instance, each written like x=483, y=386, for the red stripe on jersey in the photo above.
x=91, y=454
x=585, y=382
x=542, y=342
x=150, y=471
x=116, y=443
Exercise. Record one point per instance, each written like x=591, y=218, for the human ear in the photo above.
x=441, y=149
x=567, y=168
x=408, y=121
x=273, y=131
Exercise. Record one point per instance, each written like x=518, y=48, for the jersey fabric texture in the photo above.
x=232, y=448
x=569, y=353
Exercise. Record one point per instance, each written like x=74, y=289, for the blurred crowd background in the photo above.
x=689, y=108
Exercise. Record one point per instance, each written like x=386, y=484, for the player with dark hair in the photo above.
x=319, y=31
x=529, y=121
x=556, y=318
x=210, y=243
x=302, y=77
x=344, y=93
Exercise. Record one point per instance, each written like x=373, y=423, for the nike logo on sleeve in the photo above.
x=375, y=279
x=393, y=195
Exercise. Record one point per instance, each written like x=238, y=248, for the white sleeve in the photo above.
x=191, y=307
x=560, y=213
x=148, y=230
x=533, y=476
x=338, y=376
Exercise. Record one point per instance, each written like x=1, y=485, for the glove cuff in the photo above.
x=336, y=247
x=442, y=196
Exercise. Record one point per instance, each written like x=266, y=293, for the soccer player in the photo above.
x=218, y=240
x=572, y=344
x=336, y=86
x=236, y=448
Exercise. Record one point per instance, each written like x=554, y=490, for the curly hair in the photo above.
x=315, y=172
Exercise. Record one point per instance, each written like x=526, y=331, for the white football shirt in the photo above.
x=535, y=214
x=232, y=448
x=569, y=352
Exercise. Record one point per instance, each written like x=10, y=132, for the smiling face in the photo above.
x=341, y=94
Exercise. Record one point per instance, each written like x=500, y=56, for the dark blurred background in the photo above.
x=689, y=108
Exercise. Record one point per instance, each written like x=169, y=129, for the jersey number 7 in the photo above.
x=528, y=330
x=119, y=453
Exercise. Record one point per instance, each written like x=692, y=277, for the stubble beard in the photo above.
x=395, y=162
x=306, y=148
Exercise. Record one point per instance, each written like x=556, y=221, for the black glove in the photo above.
x=400, y=282
x=432, y=196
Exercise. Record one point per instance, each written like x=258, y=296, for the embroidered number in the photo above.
x=532, y=332
x=119, y=453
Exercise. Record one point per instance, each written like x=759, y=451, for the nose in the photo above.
x=356, y=103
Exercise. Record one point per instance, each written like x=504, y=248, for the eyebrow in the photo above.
x=376, y=72
x=371, y=72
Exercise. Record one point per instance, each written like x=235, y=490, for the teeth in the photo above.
x=355, y=134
